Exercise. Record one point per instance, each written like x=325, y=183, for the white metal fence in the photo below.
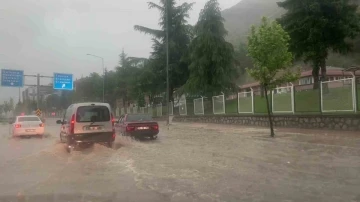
x=182, y=106
x=283, y=100
x=246, y=102
x=171, y=110
x=218, y=104
x=338, y=95
x=159, y=110
x=199, y=106
x=135, y=110
x=142, y=110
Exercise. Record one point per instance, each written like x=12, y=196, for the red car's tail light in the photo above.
x=156, y=127
x=130, y=128
x=17, y=125
x=72, y=124
x=41, y=125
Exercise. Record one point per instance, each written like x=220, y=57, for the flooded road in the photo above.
x=189, y=162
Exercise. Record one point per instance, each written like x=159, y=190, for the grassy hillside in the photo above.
x=239, y=18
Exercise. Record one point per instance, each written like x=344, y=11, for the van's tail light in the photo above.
x=114, y=133
x=112, y=120
x=41, y=125
x=17, y=125
x=155, y=127
x=130, y=128
x=72, y=124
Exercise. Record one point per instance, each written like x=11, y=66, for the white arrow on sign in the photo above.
x=63, y=86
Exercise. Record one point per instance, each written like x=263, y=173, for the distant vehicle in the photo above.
x=27, y=126
x=137, y=125
x=87, y=123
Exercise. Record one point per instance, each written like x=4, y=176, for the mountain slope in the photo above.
x=240, y=18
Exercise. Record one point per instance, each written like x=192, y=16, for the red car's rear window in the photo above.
x=138, y=117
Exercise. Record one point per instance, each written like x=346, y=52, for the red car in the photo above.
x=137, y=126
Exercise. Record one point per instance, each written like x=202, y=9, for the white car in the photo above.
x=27, y=126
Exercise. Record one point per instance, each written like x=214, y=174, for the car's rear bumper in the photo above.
x=92, y=137
x=28, y=131
x=144, y=133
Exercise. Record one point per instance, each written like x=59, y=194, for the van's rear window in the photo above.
x=28, y=118
x=92, y=114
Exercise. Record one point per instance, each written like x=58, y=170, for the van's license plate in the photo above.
x=93, y=128
x=142, y=128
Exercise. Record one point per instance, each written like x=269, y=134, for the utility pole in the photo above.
x=167, y=62
x=19, y=95
x=37, y=91
x=103, y=68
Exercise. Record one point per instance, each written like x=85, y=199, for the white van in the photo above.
x=87, y=123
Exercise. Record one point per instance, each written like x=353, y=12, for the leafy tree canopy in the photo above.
x=212, y=69
x=317, y=27
x=269, y=49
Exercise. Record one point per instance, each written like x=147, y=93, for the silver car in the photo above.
x=87, y=123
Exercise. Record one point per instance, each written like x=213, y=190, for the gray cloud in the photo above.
x=46, y=36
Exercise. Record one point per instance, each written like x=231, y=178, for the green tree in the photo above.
x=127, y=73
x=180, y=34
x=53, y=102
x=11, y=104
x=269, y=49
x=1, y=109
x=212, y=67
x=317, y=27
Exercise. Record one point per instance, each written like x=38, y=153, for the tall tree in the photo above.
x=179, y=40
x=127, y=75
x=212, y=67
x=269, y=49
x=317, y=27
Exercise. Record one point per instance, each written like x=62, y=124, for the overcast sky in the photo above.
x=47, y=36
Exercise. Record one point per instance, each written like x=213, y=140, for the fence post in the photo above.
x=357, y=108
x=238, y=103
x=253, y=99
x=321, y=97
x=224, y=103
x=353, y=81
x=292, y=98
x=202, y=100
x=272, y=100
x=212, y=99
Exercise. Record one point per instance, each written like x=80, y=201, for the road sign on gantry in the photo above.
x=63, y=81
x=12, y=78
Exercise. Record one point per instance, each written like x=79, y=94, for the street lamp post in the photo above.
x=167, y=62
x=102, y=60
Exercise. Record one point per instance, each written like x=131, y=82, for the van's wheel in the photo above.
x=111, y=145
x=69, y=148
x=154, y=137
x=61, y=139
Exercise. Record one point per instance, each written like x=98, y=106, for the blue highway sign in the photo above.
x=63, y=81
x=12, y=78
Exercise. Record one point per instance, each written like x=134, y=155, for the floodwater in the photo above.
x=188, y=162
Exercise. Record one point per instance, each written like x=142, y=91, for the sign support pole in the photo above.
x=37, y=90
